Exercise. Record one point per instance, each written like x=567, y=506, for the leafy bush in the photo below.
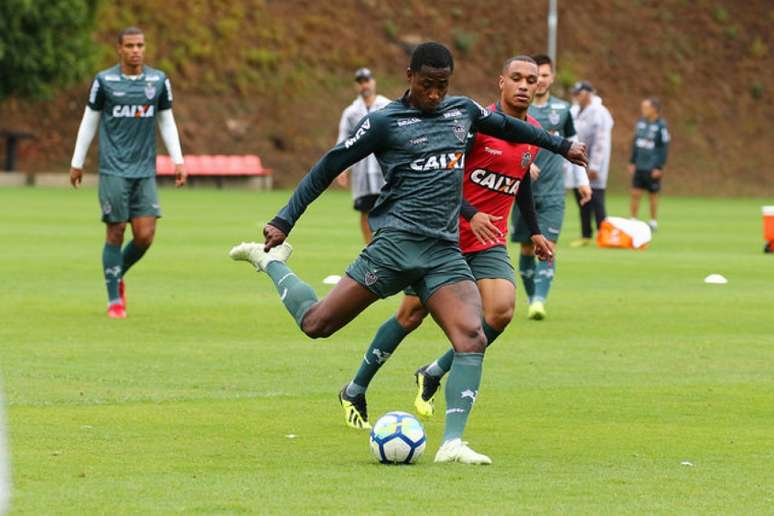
x=45, y=45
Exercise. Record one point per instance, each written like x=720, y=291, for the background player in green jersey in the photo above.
x=125, y=102
x=649, y=154
x=419, y=141
x=548, y=189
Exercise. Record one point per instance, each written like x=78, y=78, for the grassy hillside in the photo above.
x=272, y=76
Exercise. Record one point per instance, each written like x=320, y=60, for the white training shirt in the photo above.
x=366, y=177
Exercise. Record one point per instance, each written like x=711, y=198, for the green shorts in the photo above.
x=492, y=263
x=124, y=198
x=550, y=214
x=396, y=259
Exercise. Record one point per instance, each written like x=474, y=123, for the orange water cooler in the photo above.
x=768, y=228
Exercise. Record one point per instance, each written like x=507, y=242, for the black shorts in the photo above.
x=642, y=180
x=366, y=202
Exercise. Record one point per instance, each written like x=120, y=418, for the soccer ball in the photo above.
x=397, y=438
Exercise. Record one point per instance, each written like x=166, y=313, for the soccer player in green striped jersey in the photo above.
x=125, y=102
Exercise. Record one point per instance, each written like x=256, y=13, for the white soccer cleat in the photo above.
x=457, y=450
x=253, y=252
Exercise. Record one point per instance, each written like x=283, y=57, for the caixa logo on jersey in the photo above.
x=448, y=161
x=136, y=111
x=495, y=182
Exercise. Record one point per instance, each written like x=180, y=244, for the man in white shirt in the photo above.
x=594, y=126
x=367, y=178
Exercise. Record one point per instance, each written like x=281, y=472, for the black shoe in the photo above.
x=355, y=409
x=427, y=386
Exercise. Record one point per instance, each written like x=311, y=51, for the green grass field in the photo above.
x=186, y=406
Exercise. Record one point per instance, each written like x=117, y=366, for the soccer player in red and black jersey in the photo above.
x=496, y=175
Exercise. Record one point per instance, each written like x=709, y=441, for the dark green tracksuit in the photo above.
x=649, y=152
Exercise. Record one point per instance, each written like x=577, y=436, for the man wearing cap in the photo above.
x=594, y=126
x=367, y=179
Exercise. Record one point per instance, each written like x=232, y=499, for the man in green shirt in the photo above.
x=125, y=101
x=548, y=189
x=419, y=141
x=650, y=148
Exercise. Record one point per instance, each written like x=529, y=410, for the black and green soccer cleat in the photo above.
x=355, y=410
x=427, y=386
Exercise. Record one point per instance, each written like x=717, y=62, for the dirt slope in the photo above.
x=272, y=77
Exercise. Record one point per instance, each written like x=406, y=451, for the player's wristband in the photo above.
x=564, y=148
x=468, y=211
x=281, y=224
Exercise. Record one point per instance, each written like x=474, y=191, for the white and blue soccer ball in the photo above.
x=397, y=438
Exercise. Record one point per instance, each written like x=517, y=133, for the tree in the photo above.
x=44, y=45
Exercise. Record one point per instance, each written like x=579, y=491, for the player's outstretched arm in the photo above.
x=367, y=138
x=86, y=132
x=512, y=129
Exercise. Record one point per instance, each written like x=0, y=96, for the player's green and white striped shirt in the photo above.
x=127, y=130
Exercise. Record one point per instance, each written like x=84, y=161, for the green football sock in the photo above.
x=296, y=295
x=441, y=366
x=544, y=274
x=131, y=255
x=386, y=340
x=461, y=392
x=111, y=267
x=527, y=273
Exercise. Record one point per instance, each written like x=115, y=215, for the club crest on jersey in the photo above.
x=553, y=117
x=126, y=111
x=459, y=131
x=150, y=91
x=448, y=161
x=525, y=159
x=496, y=182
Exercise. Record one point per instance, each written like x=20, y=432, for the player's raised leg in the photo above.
x=456, y=308
x=317, y=319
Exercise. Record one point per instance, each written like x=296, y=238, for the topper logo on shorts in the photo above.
x=358, y=134
x=495, y=182
x=449, y=161
x=142, y=111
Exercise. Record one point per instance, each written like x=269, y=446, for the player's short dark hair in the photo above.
x=432, y=54
x=655, y=102
x=525, y=59
x=542, y=59
x=129, y=31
